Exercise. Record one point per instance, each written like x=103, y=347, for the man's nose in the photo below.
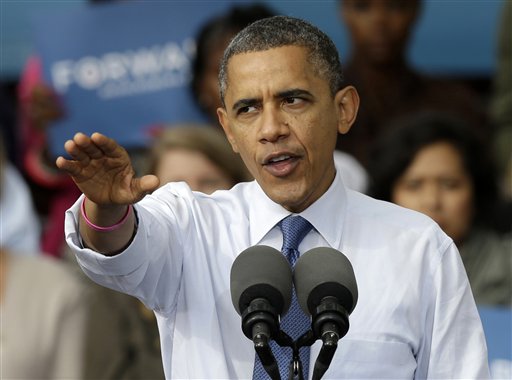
x=274, y=125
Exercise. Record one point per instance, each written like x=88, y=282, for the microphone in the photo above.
x=261, y=291
x=327, y=291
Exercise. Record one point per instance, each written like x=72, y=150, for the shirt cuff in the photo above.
x=123, y=263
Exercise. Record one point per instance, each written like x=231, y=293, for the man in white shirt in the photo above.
x=284, y=105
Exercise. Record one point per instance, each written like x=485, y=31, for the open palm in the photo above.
x=102, y=170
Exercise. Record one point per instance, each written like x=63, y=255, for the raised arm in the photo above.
x=102, y=170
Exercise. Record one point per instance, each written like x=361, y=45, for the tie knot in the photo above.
x=294, y=229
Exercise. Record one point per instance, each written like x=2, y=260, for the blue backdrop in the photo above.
x=497, y=322
x=452, y=35
x=123, y=67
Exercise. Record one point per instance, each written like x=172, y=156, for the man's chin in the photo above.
x=290, y=197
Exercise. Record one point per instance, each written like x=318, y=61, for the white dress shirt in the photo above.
x=415, y=317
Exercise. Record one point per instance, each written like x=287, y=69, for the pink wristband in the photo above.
x=104, y=229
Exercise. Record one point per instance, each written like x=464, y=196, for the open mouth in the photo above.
x=281, y=165
x=278, y=159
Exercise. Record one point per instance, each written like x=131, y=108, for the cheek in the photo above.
x=404, y=198
x=246, y=148
x=460, y=205
x=360, y=33
x=400, y=27
x=459, y=211
x=321, y=140
x=164, y=171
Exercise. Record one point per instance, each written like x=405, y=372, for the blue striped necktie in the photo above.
x=295, y=322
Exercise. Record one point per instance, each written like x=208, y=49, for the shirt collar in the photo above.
x=327, y=214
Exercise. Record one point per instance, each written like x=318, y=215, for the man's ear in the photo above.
x=347, y=103
x=224, y=122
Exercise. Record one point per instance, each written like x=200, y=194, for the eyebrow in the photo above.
x=248, y=102
x=294, y=92
x=245, y=103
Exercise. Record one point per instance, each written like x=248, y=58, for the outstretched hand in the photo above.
x=102, y=170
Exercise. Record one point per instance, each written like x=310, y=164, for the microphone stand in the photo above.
x=329, y=346
x=295, y=368
x=260, y=324
x=323, y=361
x=267, y=358
x=330, y=323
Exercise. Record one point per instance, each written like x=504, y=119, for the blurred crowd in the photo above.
x=436, y=145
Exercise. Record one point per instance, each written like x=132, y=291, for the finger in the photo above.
x=88, y=146
x=106, y=144
x=68, y=166
x=76, y=153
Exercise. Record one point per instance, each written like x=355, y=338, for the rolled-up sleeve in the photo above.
x=458, y=349
x=136, y=270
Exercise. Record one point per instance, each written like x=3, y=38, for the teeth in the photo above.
x=280, y=158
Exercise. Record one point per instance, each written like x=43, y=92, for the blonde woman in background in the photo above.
x=199, y=155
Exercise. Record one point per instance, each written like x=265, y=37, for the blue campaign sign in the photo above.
x=497, y=323
x=121, y=68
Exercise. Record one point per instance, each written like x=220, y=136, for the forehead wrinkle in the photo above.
x=241, y=73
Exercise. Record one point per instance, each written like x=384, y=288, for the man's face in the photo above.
x=283, y=120
x=379, y=29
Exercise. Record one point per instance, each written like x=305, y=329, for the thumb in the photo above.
x=145, y=185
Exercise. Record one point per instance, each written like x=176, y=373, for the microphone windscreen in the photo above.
x=261, y=272
x=323, y=272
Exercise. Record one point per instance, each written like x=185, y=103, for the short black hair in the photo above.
x=219, y=28
x=279, y=31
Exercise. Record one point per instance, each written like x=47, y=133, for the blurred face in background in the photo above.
x=379, y=29
x=209, y=95
x=437, y=184
x=194, y=168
